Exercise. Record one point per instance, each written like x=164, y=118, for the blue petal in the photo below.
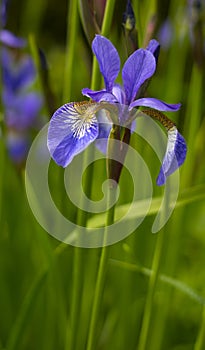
x=174, y=157
x=72, y=128
x=98, y=96
x=154, y=48
x=119, y=93
x=104, y=131
x=156, y=104
x=17, y=76
x=139, y=67
x=11, y=40
x=108, y=60
x=18, y=146
x=3, y=12
x=21, y=110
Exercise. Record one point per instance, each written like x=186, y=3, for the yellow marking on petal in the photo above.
x=83, y=106
x=162, y=118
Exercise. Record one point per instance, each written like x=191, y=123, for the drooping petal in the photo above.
x=139, y=67
x=108, y=59
x=174, y=157
x=72, y=128
x=9, y=39
x=156, y=104
x=98, y=96
x=154, y=48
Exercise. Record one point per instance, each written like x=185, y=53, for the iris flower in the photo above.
x=6, y=37
x=75, y=125
x=21, y=105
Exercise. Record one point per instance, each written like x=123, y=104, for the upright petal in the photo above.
x=156, y=104
x=72, y=128
x=139, y=67
x=105, y=126
x=3, y=12
x=108, y=59
x=154, y=48
x=174, y=157
x=98, y=96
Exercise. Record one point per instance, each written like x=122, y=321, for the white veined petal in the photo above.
x=72, y=128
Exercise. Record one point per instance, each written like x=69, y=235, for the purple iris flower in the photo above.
x=18, y=144
x=75, y=125
x=3, y=12
x=21, y=105
x=6, y=37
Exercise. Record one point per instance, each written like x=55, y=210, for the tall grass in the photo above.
x=147, y=291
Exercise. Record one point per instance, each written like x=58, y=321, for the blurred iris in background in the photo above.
x=21, y=105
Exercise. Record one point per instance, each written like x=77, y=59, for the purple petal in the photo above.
x=119, y=93
x=98, y=96
x=154, y=48
x=11, y=40
x=108, y=59
x=18, y=146
x=104, y=131
x=17, y=75
x=3, y=12
x=139, y=67
x=174, y=157
x=166, y=34
x=72, y=128
x=156, y=104
x=22, y=110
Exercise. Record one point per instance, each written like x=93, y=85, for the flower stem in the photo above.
x=152, y=283
x=72, y=22
x=78, y=260
x=81, y=216
x=101, y=274
x=200, y=342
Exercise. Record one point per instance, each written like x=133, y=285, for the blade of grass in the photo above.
x=188, y=196
x=178, y=285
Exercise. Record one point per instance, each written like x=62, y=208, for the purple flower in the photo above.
x=21, y=105
x=9, y=39
x=17, y=144
x=74, y=126
x=6, y=37
x=3, y=12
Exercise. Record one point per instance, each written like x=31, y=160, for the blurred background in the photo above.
x=41, y=278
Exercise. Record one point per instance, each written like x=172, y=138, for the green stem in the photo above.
x=200, y=342
x=101, y=275
x=78, y=263
x=192, y=121
x=82, y=216
x=151, y=291
x=72, y=21
x=152, y=284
